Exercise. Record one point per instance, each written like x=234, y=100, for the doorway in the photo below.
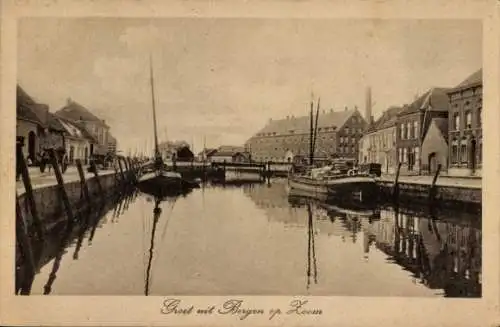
x=31, y=146
x=433, y=163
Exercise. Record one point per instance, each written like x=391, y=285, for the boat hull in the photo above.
x=160, y=185
x=360, y=187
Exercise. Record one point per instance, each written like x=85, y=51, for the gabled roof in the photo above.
x=28, y=109
x=75, y=129
x=435, y=99
x=387, y=119
x=77, y=112
x=474, y=79
x=442, y=125
x=55, y=124
x=302, y=124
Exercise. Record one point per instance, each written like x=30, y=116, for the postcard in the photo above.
x=258, y=163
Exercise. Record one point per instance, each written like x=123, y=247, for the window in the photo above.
x=468, y=120
x=456, y=121
x=416, y=130
x=409, y=131
x=463, y=151
x=405, y=155
x=417, y=154
x=347, y=130
x=479, y=117
x=400, y=154
x=402, y=131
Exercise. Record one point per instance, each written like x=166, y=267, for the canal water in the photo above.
x=257, y=240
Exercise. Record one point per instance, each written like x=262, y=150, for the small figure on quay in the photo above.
x=19, y=152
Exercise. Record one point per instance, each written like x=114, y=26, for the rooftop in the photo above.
x=76, y=112
x=435, y=99
x=475, y=78
x=302, y=124
x=28, y=109
x=387, y=119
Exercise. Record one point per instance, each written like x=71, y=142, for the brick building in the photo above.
x=412, y=124
x=465, y=137
x=378, y=144
x=285, y=140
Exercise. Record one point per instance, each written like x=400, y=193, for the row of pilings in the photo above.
x=127, y=173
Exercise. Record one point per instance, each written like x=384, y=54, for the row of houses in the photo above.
x=441, y=127
x=73, y=128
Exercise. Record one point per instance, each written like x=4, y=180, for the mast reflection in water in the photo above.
x=258, y=240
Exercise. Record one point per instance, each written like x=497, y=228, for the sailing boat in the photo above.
x=160, y=182
x=321, y=183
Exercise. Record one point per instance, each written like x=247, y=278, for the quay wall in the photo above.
x=49, y=204
x=421, y=192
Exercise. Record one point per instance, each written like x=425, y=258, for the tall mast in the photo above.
x=315, y=129
x=311, y=134
x=154, y=108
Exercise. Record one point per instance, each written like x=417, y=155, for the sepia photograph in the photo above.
x=217, y=163
x=219, y=156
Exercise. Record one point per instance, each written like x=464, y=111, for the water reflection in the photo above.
x=57, y=240
x=311, y=250
x=207, y=242
x=441, y=250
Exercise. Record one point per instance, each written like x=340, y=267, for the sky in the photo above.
x=219, y=80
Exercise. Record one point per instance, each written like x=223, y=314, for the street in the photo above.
x=441, y=181
x=39, y=180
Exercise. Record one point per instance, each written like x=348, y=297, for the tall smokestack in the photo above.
x=368, y=105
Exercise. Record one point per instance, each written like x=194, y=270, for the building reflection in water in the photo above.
x=441, y=251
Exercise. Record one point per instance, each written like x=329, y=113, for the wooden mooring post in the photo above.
x=29, y=193
x=98, y=180
x=121, y=170
x=395, y=189
x=60, y=186
x=117, y=176
x=24, y=240
x=132, y=170
x=432, y=189
x=83, y=182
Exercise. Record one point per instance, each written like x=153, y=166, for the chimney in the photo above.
x=368, y=105
x=331, y=110
x=69, y=101
x=345, y=109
